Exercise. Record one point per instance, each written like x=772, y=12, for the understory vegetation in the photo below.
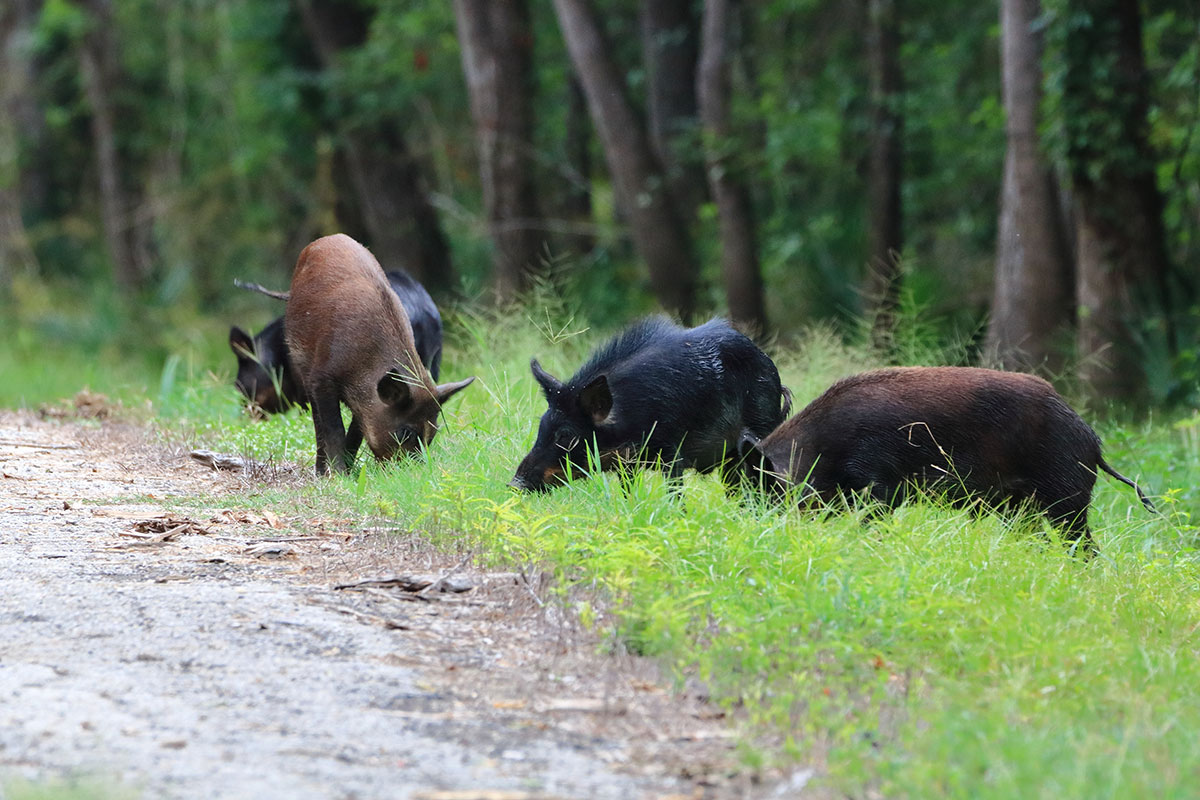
x=930, y=652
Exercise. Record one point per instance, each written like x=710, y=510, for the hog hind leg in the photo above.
x=353, y=441
x=1071, y=518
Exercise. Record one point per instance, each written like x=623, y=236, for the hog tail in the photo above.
x=254, y=287
x=787, y=401
x=1145, y=500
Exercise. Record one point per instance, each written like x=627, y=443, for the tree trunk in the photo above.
x=496, y=38
x=884, y=231
x=739, y=245
x=1033, y=299
x=669, y=52
x=16, y=252
x=578, y=201
x=1121, y=285
x=401, y=224
x=98, y=72
x=657, y=229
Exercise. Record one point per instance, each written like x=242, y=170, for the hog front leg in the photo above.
x=327, y=425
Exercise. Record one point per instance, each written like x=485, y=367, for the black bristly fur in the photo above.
x=1007, y=438
x=657, y=393
x=265, y=376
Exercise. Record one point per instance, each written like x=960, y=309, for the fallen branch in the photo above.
x=11, y=443
x=442, y=584
x=361, y=616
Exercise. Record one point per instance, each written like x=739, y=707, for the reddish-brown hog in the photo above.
x=1007, y=438
x=351, y=342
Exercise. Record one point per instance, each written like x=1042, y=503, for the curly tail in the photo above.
x=1145, y=500
x=787, y=402
x=254, y=287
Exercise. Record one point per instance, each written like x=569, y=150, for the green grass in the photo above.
x=926, y=653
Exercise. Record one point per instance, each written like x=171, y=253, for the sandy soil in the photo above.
x=209, y=653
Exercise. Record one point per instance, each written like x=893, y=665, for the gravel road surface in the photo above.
x=156, y=648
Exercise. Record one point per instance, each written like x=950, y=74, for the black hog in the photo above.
x=265, y=374
x=1006, y=438
x=350, y=341
x=657, y=393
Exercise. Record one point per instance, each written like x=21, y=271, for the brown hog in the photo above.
x=1006, y=438
x=351, y=342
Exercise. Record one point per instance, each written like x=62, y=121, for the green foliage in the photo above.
x=1097, y=98
x=229, y=134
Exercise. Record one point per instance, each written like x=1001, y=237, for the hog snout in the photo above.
x=528, y=481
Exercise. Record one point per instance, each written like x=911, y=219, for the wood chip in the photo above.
x=480, y=794
x=585, y=705
x=224, y=461
x=271, y=550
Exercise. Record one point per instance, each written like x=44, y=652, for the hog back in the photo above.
x=1007, y=437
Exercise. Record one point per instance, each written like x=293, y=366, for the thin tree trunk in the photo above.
x=401, y=224
x=98, y=71
x=1033, y=299
x=884, y=222
x=578, y=201
x=496, y=37
x=739, y=244
x=669, y=33
x=655, y=224
x=1121, y=284
x=16, y=252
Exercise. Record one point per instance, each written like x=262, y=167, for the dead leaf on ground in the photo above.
x=85, y=405
x=164, y=528
x=268, y=518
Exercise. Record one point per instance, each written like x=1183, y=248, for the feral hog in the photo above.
x=1006, y=438
x=265, y=374
x=351, y=342
x=657, y=393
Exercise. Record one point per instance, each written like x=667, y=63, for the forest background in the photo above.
x=858, y=181
x=1023, y=177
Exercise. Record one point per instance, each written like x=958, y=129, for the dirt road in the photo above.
x=205, y=653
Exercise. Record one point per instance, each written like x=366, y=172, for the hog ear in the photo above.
x=394, y=391
x=747, y=444
x=240, y=343
x=550, y=384
x=596, y=400
x=447, y=390
x=755, y=463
